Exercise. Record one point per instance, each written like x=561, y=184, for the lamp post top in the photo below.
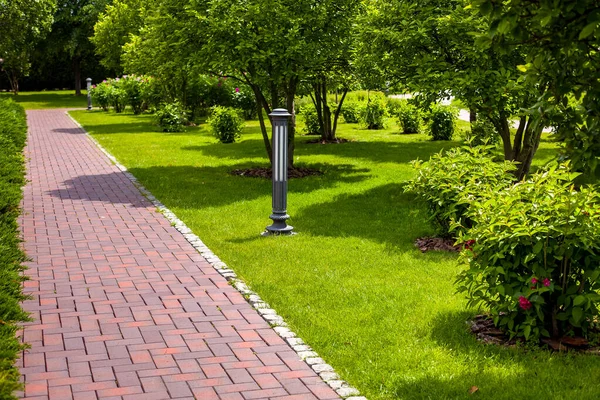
x=280, y=113
x=88, y=79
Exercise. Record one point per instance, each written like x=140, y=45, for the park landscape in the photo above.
x=182, y=101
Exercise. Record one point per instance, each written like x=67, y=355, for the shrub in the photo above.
x=171, y=117
x=117, y=96
x=441, y=123
x=101, y=95
x=151, y=92
x=351, y=111
x=409, y=117
x=311, y=120
x=375, y=112
x=394, y=105
x=226, y=124
x=243, y=99
x=534, y=256
x=13, y=130
x=449, y=182
x=132, y=86
x=482, y=133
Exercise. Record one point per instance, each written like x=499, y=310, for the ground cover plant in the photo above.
x=351, y=283
x=13, y=129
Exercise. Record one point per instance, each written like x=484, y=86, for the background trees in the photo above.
x=22, y=23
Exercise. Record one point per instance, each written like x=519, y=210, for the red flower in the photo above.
x=547, y=282
x=534, y=281
x=469, y=244
x=524, y=303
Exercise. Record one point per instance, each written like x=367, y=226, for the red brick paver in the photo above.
x=123, y=306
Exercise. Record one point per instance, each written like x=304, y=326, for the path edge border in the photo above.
x=277, y=323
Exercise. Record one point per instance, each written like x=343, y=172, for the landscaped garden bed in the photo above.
x=351, y=283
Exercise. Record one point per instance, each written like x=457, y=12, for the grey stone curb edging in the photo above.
x=304, y=351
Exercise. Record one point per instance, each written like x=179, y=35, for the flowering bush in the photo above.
x=171, y=118
x=132, y=86
x=243, y=99
x=449, y=182
x=441, y=123
x=226, y=124
x=101, y=95
x=534, y=259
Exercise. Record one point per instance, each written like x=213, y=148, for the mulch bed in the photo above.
x=335, y=141
x=436, y=244
x=265, y=173
x=483, y=328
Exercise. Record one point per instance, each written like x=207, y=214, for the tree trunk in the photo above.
x=13, y=79
x=472, y=115
x=503, y=128
x=531, y=142
x=261, y=105
x=338, y=111
x=77, y=73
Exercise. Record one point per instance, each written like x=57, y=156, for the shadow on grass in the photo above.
x=198, y=187
x=377, y=151
x=537, y=374
x=385, y=214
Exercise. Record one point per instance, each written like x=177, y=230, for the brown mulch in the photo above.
x=436, y=244
x=483, y=327
x=265, y=173
x=335, y=141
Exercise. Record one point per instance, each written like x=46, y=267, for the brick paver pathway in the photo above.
x=124, y=307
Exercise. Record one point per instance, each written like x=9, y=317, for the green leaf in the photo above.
x=577, y=314
x=527, y=332
x=579, y=300
x=588, y=30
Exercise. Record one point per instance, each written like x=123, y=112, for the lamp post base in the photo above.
x=279, y=226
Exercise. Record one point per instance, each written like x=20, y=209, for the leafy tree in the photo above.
x=435, y=48
x=120, y=20
x=69, y=36
x=22, y=23
x=563, y=41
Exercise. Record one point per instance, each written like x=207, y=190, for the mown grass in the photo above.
x=48, y=99
x=351, y=283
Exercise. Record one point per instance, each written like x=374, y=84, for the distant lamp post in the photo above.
x=89, y=92
x=279, y=120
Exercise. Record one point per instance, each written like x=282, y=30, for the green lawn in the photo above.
x=49, y=99
x=351, y=283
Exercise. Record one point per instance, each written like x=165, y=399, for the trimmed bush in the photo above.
x=409, y=117
x=171, y=118
x=534, y=256
x=351, y=111
x=311, y=120
x=226, y=124
x=101, y=95
x=482, y=133
x=449, y=182
x=375, y=112
x=13, y=130
x=441, y=123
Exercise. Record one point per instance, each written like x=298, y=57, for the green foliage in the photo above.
x=138, y=92
x=13, y=130
x=170, y=117
x=311, y=120
x=534, y=256
x=374, y=114
x=132, y=86
x=243, y=99
x=409, y=116
x=101, y=95
x=449, y=182
x=351, y=111
x=441, y=123
x=482, y=133
x=226, y=124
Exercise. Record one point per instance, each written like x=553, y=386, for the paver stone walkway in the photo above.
x=123, y=306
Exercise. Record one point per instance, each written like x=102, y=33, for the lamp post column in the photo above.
x=89, y=93
x=279, y=121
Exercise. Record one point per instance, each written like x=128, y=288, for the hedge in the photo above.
x=13, y=131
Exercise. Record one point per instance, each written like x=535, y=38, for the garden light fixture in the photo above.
x=279, y=121
x=89, y=92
